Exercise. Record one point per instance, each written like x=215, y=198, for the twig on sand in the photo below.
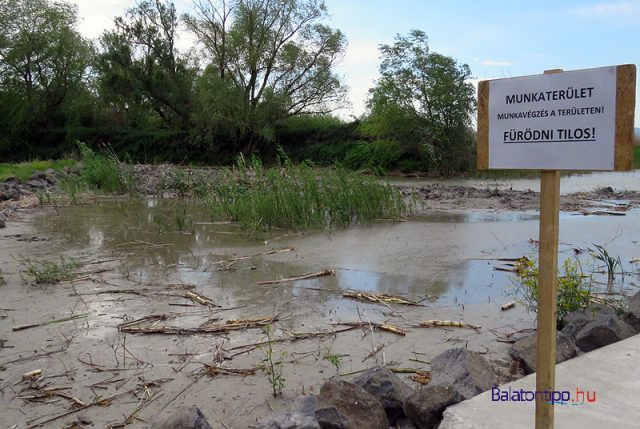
x=35, y=325
x=446, y=323
x=134, y=326
x=302, y=277
x=374, y=325
x=382, y=298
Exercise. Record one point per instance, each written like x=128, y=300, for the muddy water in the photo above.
x=569, y=183
x=135, y=252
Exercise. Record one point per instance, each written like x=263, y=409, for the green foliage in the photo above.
x=269, y=61
x=423, y=100
x=273, y=365
x=105, y=172
x=72, y=186
x=43, y=66
x=24, y=170
x=574, y=292
x=333, y=358
x=636, y=157
x=298, y=196
x=141, y=73
x=610, y=263
x=46, y=272
x=382, y=155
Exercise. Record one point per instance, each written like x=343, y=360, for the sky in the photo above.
x=497, y=39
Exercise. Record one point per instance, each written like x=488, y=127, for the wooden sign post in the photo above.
x=580, y=120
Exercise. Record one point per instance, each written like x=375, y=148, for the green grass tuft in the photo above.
x=105, y=172
x=299, y=196
x=25, y=169
x=46, y=272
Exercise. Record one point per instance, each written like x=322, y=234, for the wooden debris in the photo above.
x=382, y=298
x=32, y=374
x=508, y=305
x=373, y=352
x=446, y=323
x=226, y=262
x=421, y=377
x=380, y=326
x=133, y=327
x=200, y=299
x=302, y=277
x=215, y=370
x=35, y=325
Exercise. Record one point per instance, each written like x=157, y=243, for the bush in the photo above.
x=574, y=292
x=382, y=155
x=105, y=172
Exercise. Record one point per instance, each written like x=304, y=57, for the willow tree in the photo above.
x=140, y=68
x=424, y=101
x=275, y=57
x=43, y=65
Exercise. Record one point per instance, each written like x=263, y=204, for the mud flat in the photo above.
x=155, y=318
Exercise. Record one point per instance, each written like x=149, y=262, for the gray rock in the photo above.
x=13, y=194
x=288, y=421
x=3, y=223
x=425, y=406
x=36, y=175
x=306, y=405
x=468, y=372
x=51, y=171
x=575, y=320
x=632, y=315
x=390, y=390
x=11, y=179
x=3, y=196
x=183, y=418
x=524, y=351
x=37, y=183
x=405, y=423
x=343, y=405
x=604, y=330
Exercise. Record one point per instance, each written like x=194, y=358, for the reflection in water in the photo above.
x=435, y=256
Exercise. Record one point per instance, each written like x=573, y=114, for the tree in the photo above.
x=140, y=67
x=43, y=65
x=273, y=54
x=424, y=101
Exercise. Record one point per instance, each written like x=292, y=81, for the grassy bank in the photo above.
x=25, y=169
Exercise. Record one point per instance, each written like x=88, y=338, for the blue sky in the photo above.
x=496, y=39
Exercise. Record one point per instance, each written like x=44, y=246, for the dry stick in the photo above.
x=182, y=391
x=241, y=258
x=35, y=325
x=302, y=277
x=100, y=402
x=373, y=352
x=248, y=348
x=446, y=323
x=379, y=298
x=380, y=326
x=221, y=328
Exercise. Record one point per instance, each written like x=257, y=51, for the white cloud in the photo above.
x=609, y=9
x=493, y=63
x=97, y=16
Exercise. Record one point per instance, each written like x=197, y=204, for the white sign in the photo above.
x=563, y=121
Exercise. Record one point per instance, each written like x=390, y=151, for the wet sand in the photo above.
x=134, y=264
